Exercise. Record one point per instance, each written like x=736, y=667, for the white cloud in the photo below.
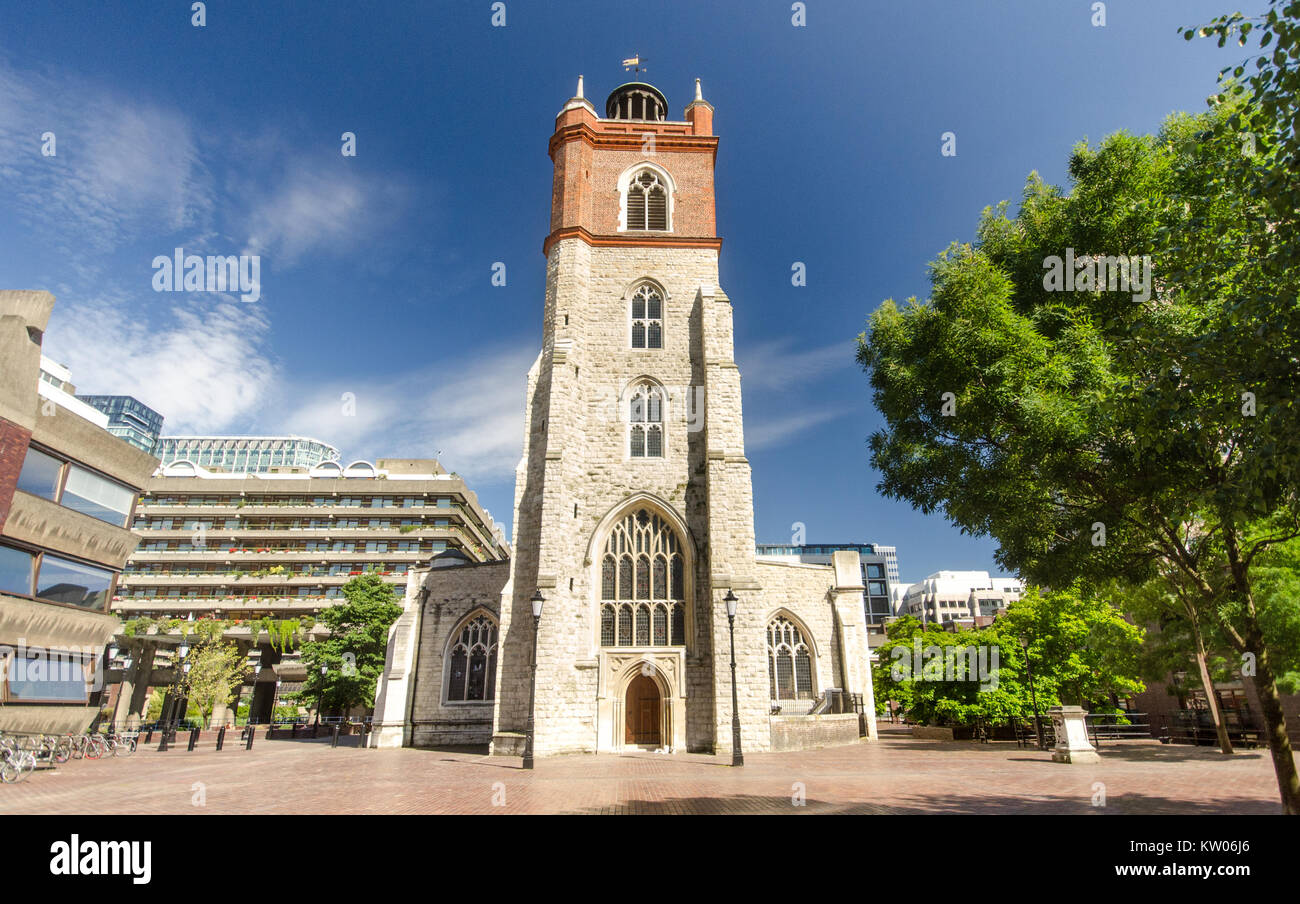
x=205, y=371
x=467, y=412
x=775, y=366
x=768, y=432
x=122, y=169
x=775, y=378
x=313, y=209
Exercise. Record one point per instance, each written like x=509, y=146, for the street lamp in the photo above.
x=537, y=601
x=737, y=758
x=275, y=701
x=321, y=696
x=252, y=700
x=1033, y=697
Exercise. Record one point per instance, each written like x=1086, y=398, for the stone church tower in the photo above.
x=633, y=501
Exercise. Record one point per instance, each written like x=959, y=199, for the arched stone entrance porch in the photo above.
x=642, y=701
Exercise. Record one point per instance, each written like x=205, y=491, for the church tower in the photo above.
x=633, y=500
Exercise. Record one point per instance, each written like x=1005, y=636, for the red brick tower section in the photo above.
x=589, y=153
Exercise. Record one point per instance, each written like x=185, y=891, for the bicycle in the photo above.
x=122, y=743
x=19, y=763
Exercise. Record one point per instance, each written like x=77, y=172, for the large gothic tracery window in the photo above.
x=789, y=661
x=647, y=318
x=472, y=674
x=646, y=422
x=647, y=202
x=643, y=584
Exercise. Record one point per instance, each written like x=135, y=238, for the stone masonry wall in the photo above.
x=450, y=595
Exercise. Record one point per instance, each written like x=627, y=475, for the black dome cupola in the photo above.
x=638, y=102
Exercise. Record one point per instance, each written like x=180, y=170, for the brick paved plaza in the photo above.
x=894, y=775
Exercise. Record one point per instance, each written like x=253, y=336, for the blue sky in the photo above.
x=376, y=269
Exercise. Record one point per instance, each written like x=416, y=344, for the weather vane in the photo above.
x=635, y=63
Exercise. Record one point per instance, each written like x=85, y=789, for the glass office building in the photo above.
x=246, y=454
x=877, y=564
x=130, y=419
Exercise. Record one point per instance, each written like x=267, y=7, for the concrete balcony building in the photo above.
x=253, y=545
x=67, y=491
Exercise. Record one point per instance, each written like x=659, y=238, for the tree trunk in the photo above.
x=1279, y=745
x=1225, y=744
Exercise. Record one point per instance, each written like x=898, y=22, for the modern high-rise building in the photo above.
x=876, y=571
x=67, y=490
x=245, y=454
x=129, y=418
x=891, y=561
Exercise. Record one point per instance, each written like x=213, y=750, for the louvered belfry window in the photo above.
x=647, y=318
x=647, y=203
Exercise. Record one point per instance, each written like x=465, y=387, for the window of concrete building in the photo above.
x=40, y=474
x=16, y=569
x=47, y=677
x=82, y=490
x=64, y=581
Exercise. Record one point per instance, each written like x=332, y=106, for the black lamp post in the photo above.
x=321, y=696
x=737, y=758
x=538, y=600
x=1033, y=697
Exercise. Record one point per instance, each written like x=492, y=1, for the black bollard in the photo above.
x=162, y=744
x=148, y=736
x=221, y=736
x=334, y=740
x=194, y=738
x=248, y=745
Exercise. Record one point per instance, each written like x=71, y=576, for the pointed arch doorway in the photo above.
x=644, y=713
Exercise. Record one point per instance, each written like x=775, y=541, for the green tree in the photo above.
x=1112, y=430
x=353, y=653
x=1267, y=127
x=215, y=675
x=1082, y=649
x=1085, y=653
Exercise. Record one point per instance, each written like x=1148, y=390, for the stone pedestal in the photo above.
x=1072, y=745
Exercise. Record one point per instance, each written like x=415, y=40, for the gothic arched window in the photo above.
x=789, y=661
x=472, y=674
x=647, y=202
x=646, y=422
x=647, y=318
x=650, y=606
